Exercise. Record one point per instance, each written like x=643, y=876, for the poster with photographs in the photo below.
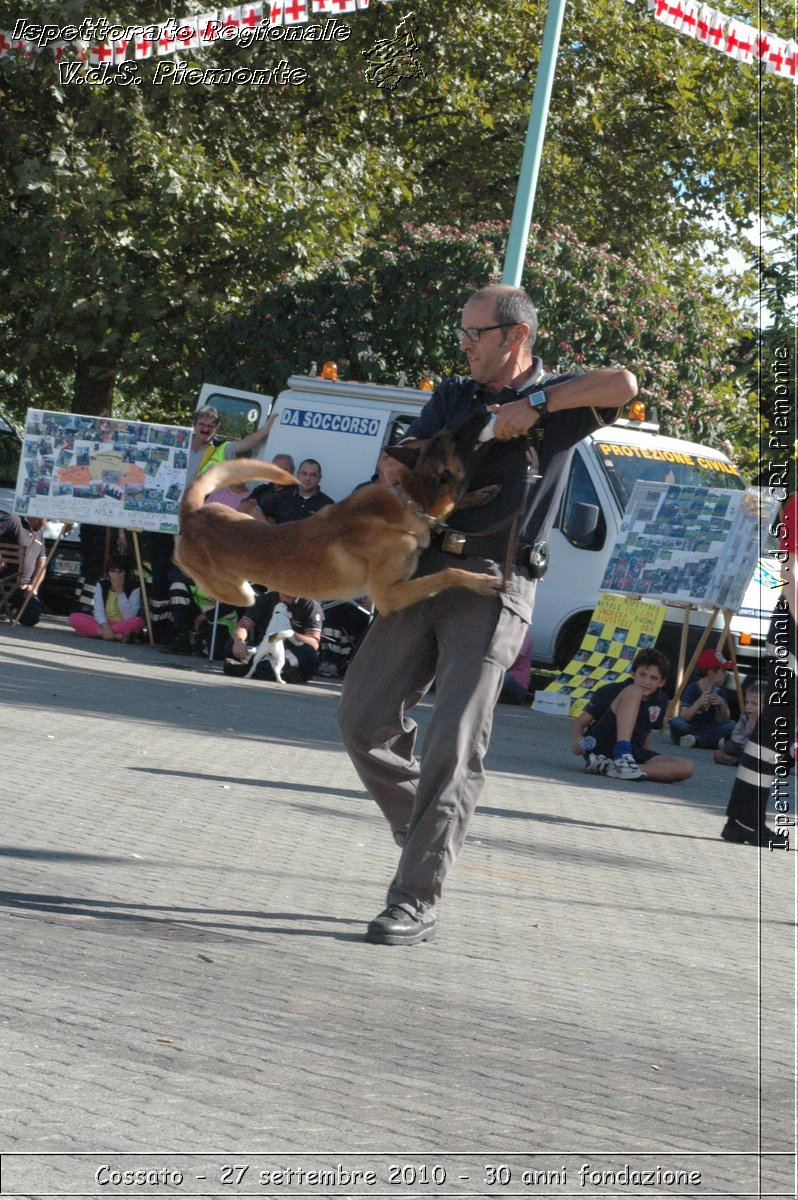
x=696, y=545
x=618, y=628
x=102, y=471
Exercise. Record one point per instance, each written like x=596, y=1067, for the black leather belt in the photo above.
x=534, y=557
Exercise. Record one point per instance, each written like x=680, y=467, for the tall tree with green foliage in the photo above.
x=385, y=312
x=138, y=218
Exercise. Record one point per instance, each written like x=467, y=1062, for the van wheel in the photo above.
x=570, y=639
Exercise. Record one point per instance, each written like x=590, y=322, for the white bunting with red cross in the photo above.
x=165, y=43
x=101, y=55
x=230, y=20
x=120, y=47
x=762, y=43
x=186, y=34
x=669, y=12
x=5, y=42
x=789, y=69
x=251, y=16
x=275, y=12
x=295, y=12
x=143, y=45
x=320, y=8
x=206, y=28
x=739, y=41
x=690, y=21
x=342, y=6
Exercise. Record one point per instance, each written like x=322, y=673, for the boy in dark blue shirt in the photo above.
x=614, y=731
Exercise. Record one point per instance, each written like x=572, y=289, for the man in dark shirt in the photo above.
x=294, y=503
x=26, y=532
x=463, y=641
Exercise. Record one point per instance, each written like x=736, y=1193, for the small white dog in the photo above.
x=271, y=644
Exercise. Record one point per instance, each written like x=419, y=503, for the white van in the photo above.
x=604, y=470
x=345, y=425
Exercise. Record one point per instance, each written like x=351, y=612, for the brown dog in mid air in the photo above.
x=368, y=545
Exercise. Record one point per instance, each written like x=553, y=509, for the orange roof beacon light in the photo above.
x=426, y=384
x=637, y=411
x=745, y=639
x=329, y=370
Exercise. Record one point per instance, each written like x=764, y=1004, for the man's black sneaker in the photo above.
x=734, y=831
x=396, y=927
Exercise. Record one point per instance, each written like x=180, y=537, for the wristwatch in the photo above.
x=538, y=401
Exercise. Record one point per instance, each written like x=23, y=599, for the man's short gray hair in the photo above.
x=511, y=306
x=207, y=412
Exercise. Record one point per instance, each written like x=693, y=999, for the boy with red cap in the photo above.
x=704, y=718
x=767, y=755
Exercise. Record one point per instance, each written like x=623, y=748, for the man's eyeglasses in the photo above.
x=475, y=332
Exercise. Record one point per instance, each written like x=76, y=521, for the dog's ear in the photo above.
x=406, y=455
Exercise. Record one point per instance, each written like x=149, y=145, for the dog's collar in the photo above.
x=416, y=509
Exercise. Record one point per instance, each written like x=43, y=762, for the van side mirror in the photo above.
x=583, y=523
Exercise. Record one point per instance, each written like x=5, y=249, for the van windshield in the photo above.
x=625, y=465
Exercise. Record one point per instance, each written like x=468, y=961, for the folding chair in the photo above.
x=12, y=558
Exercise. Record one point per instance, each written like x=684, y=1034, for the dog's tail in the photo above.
x=237, y=470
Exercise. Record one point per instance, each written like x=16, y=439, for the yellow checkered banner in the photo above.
x=619, y=627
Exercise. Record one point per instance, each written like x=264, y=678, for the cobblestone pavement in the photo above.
x=189, y=864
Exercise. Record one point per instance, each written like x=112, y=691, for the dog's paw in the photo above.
x=486, y=585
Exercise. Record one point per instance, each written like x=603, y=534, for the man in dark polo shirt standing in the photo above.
x=295, y=502
x=462, y=641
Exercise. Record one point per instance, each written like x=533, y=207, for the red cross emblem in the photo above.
x=731, y=43
x=777, y=59
x=251, y=19
x=761, y=47
x=294, y=11
x=716, y=35
x=102, y=52
x=166, y=42
x=5, y=45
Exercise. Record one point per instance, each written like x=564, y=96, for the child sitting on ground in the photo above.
x=728, y=755
x=116, y=606
x=614, y=732
x=704, y=719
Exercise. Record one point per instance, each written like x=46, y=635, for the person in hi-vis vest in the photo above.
x=205, y=449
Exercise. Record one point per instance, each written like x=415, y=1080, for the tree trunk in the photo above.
x=94, y=386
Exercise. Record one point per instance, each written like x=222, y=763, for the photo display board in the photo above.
x=102, y=471
x=695, y=545
x=618, y=628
